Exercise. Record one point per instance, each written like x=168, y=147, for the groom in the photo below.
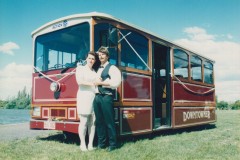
x=103, y=102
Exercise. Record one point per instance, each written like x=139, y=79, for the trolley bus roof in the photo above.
x=109, y=17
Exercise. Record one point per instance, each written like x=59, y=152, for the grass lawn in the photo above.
x=219, y=141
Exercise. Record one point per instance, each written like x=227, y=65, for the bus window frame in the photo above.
x=46, y=57
x=144, y=44
x=189, y=80
x=191, y=75
x=213, y=79
x=173, y=62
x=119, y=25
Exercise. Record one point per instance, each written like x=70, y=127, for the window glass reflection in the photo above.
x=208, y=72
x=180, y=64
x=140, y=44
x=196, y=68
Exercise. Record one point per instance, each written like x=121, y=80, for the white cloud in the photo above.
x=198, y=34
x=228, y=90
x=229, y=36
x=8, y=48
x=226, y=54
x=13, y=78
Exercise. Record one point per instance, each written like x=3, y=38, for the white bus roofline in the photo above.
x=107, y=16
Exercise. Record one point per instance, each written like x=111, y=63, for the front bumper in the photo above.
x=54, y=125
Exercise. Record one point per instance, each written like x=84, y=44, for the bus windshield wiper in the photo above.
x=68, y=65
x=64, y=70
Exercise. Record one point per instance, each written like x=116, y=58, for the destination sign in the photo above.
x=60, y=25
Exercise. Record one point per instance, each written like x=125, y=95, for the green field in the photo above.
x=219, y=141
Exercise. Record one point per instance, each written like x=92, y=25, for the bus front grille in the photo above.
x=58, y=113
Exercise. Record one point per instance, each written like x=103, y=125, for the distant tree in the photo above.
x=216, y=97
x=2, y=104
x=236, y=105
x=222, y=105
x=11, y=104
x=22, y=101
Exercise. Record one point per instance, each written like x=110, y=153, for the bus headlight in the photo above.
x=36, y=111
x=54, y=86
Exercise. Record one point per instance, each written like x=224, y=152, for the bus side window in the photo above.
x=140, y=44
x=180, y=64
x=101, y=32
x=39, y=60
x=162, y=72
x=208, y=72
x=196, y=68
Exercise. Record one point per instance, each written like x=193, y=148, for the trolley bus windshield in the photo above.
x=62, y=48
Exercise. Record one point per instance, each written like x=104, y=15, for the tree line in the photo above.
x=23, y=101
x=222, y=105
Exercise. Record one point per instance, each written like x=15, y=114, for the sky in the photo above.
x=209, y=27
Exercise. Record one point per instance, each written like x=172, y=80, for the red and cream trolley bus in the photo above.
x=164, y=85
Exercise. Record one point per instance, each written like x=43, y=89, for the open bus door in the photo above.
x=161, y=87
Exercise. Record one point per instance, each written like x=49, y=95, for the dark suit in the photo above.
x=104, y=111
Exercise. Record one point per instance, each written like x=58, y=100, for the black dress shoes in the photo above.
x=110, y=149
x=101, y=147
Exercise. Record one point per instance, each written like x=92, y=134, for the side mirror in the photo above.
x=113, y=36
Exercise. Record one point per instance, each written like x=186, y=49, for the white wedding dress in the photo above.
x=85, y=94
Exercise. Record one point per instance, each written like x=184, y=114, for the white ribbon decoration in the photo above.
x=202, y=93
